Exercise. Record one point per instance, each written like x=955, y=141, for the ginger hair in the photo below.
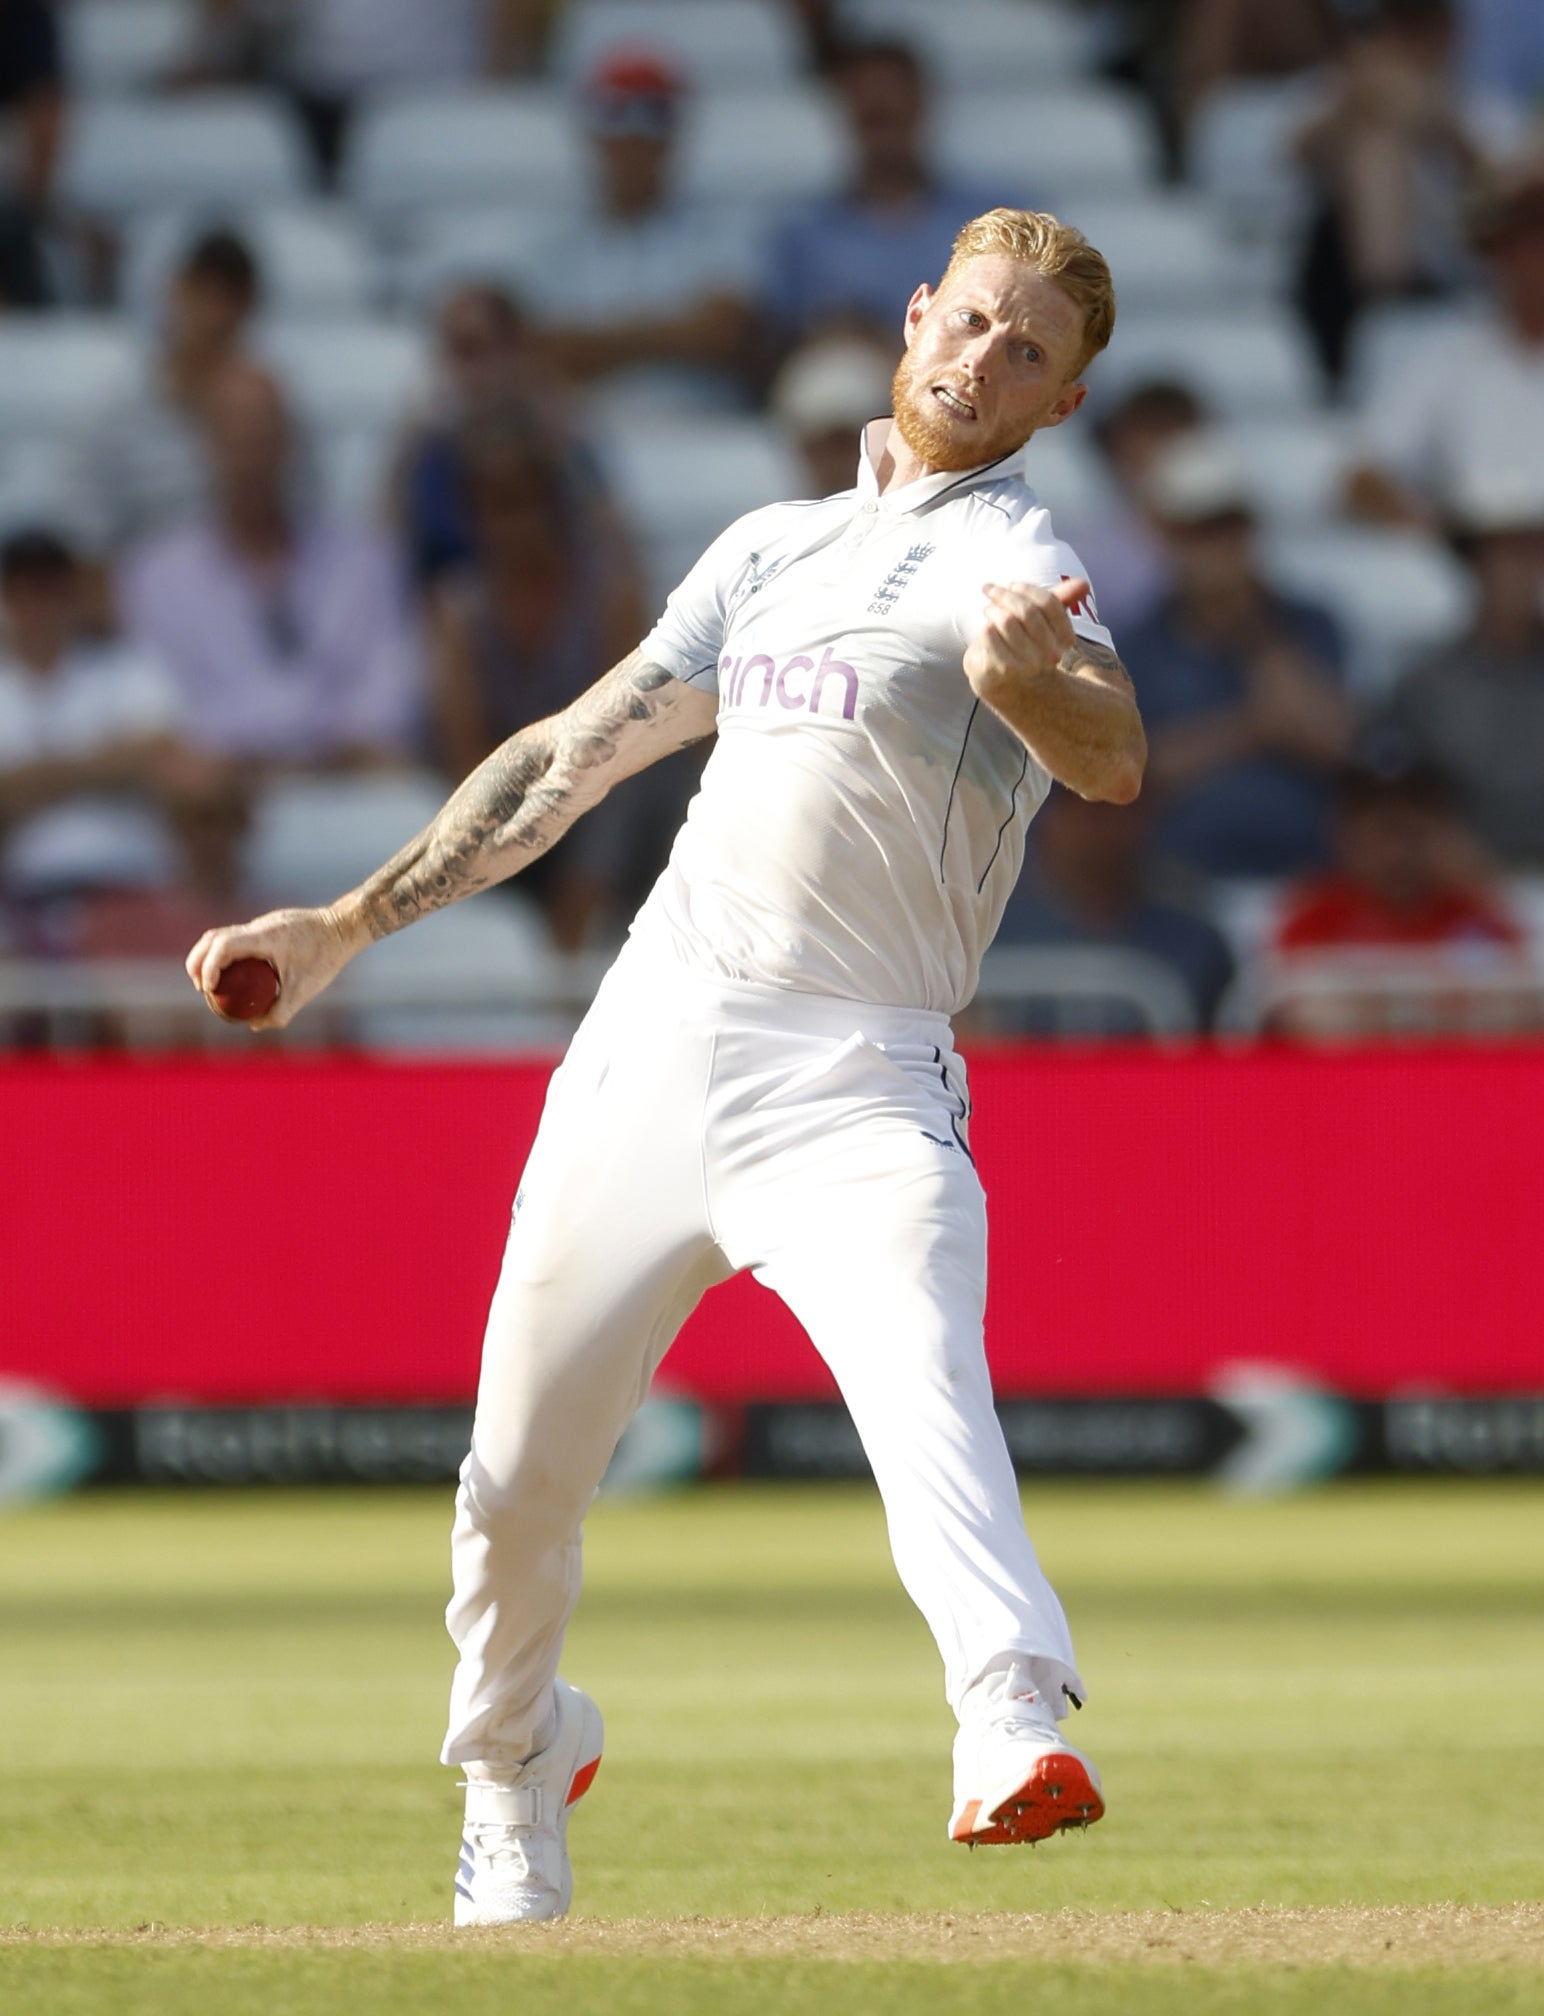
x=1057, y=250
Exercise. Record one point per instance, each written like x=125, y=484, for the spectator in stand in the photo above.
x=289, y=636
x=1406, y=872
x=331, y=52
x=1088, y=883
x=1241, y=688
x=1408, y=885
x=549, y=603
x=1475, y=711
x=822, y=398
x=140, y=461
x=1123, y=548
x=1213, y=42
x=646, y=296
x=1390, y=156
x=487, y=360
x=95, y=783
x=852, y=261
x=32, y=116
x=1468, y=399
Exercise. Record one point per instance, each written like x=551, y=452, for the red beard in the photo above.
x=927, y=433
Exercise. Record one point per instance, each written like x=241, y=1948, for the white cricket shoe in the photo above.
x=514, y=1850
x=1016, y=1777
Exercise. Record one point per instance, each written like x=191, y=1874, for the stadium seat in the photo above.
x=1296, y=467
x=1088, y=140
x=516, y=144
x=1164, y=251
x=762, y=147
x=1067, y=475
x=350, y=467
x=55, y=367
x=356, y=374
x=429, y=989
x=124, y=45
x=1240, y=151
x=1398, y=594
x=714, y=42
x=487, y=242
x=679, y=487
x=208, y=148
x=1254, y=362
x=312, y=836
x=980, y=42
x=37, y=485
x=314, y=259
x=1387, y=336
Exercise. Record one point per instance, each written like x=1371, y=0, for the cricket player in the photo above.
x=767, y=1078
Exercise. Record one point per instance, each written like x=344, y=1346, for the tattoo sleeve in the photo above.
x=527, y=794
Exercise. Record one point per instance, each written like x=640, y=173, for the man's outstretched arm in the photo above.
x=510, y=810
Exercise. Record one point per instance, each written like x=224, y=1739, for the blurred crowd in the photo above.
x=321, y=475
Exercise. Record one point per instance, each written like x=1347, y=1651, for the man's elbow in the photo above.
x=1122, y=782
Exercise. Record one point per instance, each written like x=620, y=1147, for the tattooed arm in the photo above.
x=1068, y=700
x=511, y=809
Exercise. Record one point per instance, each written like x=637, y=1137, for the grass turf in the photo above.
x=223, y=1711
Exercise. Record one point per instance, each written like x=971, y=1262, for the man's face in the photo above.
x=481, y=354
x=247, y=431
x=633, y=169
x=206, y=313
x=990, y=358
x=42, y=613
x=1395, y=850
x=884, y=104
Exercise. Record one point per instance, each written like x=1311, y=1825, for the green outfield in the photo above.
x=1321, y=1724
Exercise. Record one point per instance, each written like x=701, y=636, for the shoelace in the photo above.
x=1024, y=1712
x=507, y=1848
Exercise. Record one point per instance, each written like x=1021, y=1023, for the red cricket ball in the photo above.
x=246, y=989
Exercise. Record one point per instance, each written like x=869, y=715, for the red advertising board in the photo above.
x=330, y=1230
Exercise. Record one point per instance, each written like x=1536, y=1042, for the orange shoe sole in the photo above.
x=1058, y=1793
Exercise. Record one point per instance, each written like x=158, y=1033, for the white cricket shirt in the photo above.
x=861, y=819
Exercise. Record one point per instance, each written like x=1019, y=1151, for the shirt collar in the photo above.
x=913, y=496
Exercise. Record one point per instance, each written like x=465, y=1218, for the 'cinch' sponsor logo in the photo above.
x=799, y=684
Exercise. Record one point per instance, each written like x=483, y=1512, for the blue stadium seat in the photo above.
x=1088, y=140
x=314, y=258
x=1296, y=467
x=714, y=42
x=420, y=150
x=680, y=486
x=490, y=241
x=55, y=367
x=1028, y=43
x=356, y=374
x=1256, y=362
x=208, y=148
x=762, y=147
x=1399, y=594
x=124, y=45
x=1164, y=251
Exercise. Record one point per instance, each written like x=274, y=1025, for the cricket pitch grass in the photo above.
x=1320, y=1723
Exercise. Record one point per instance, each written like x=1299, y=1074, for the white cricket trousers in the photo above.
x=695, y=1129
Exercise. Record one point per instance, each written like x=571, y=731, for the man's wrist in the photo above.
x=351, y=917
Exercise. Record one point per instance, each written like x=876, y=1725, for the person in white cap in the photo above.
x=824, y=393
x=767, y=1078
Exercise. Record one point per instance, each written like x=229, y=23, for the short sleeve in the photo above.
x=688, y=639
x=1032, y=553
